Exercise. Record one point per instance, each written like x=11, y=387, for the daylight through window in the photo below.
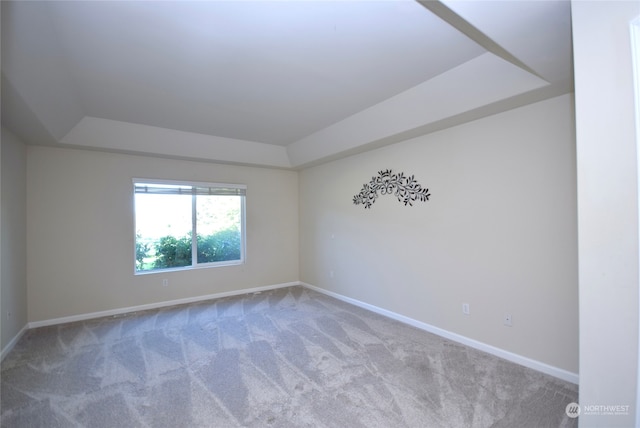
x=185, y=224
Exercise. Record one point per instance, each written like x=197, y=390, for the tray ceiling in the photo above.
x=275, y=83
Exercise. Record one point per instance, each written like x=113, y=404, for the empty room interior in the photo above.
x=419, y=213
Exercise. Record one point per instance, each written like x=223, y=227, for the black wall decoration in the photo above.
x=406, y=189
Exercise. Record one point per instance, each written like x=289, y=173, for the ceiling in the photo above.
x=284, y=84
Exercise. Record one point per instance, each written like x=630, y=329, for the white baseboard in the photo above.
x=12, y=342
x=509, y=356
x=130, y=309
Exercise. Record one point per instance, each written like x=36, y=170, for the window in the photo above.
x=185, y=224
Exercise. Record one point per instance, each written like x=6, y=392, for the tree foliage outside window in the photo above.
x=221, y=246
x=142, y=251
x=168, y=216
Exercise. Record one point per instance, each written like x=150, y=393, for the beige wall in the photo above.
x=80, y=232
x=13, y=252
x=607, y=206
x=498, y=233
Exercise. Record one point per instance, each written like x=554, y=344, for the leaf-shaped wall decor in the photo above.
x=405, y=188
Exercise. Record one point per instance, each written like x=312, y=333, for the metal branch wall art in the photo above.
x=405, y=188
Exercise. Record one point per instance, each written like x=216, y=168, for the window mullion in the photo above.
x=194, y=231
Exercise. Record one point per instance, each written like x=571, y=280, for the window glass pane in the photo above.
x=186, y=224
x=163, y=231
x=219, y=226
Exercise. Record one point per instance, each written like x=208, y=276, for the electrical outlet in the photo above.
x=165, y=282
x=507, y=320
x=465, y=308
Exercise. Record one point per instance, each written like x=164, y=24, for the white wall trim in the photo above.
x=509, y=356
x=131, y=309
x=13, y=342
x=635, y=57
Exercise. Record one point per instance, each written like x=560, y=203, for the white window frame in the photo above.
x=241, y=188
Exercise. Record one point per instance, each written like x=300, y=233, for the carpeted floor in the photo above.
x=283, y=358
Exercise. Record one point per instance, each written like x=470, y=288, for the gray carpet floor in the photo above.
x=283, y=358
